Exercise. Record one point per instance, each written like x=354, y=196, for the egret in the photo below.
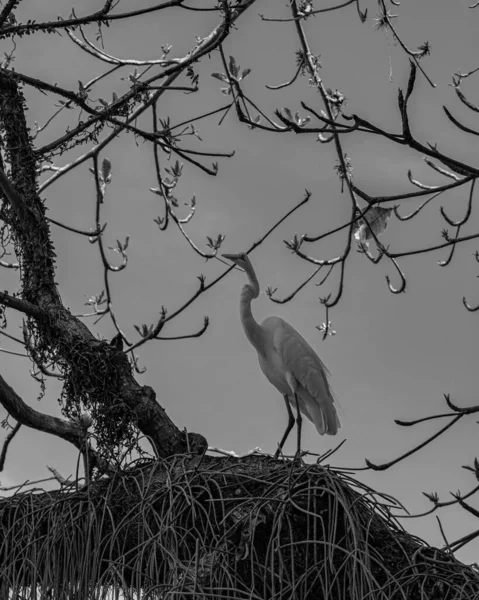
x=288, y=362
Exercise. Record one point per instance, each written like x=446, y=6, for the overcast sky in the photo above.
x=393, y=357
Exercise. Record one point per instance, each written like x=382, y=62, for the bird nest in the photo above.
x=219, y=528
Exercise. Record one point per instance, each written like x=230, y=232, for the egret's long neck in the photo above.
x=253, y=330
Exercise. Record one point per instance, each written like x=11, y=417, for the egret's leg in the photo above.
x=288, y=428
x=299, y=423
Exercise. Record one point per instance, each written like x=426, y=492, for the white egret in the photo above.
x=288, y=362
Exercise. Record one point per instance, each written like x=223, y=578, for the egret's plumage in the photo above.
x=291, y=353
x=288, y=362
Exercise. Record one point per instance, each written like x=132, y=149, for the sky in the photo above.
x=393, y=357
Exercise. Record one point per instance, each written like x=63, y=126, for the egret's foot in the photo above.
x=299, y=456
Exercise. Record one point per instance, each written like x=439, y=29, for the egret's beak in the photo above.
x=231, y=257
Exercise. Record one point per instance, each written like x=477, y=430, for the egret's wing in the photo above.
x=301, y=360
x=310, y=372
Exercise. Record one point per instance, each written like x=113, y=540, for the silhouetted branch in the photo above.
x=188, y=336
x=270, y=292
x=415, y=55
x=6, y=442
x=101, y=16
x=25, y=415
x=458, y=124
x=384, y=466
x=312, y=12
x=95, y=233
x=6, y=13
x=203, y=287
x=22, y=306
x=291, y=81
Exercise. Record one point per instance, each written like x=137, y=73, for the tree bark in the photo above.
x=54, y=327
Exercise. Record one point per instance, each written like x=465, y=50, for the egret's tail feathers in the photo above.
x=333, y=423
x=324, y=417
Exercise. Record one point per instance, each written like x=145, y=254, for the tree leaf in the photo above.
x=233, y=69
x=219, y=76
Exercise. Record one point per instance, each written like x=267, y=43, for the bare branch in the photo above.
x=22, y=306
x=93, y=50
x=25, y=415
x=458, y=123
x=384, y=466
x=7, y=13
x=91, y=234
x=290, y=82
x=415, y=55
x=6, y=442
x=102, y=16
x=11, y=337
x=313, y=12
x=188, y=336
x=271, y=292
x=416, y=211
x=203, y=287
x=441, y=170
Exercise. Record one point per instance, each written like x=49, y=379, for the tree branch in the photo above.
x=78, y=354
x=6, y=443
x=30, y=417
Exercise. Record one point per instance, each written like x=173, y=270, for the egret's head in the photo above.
x=240, y=259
